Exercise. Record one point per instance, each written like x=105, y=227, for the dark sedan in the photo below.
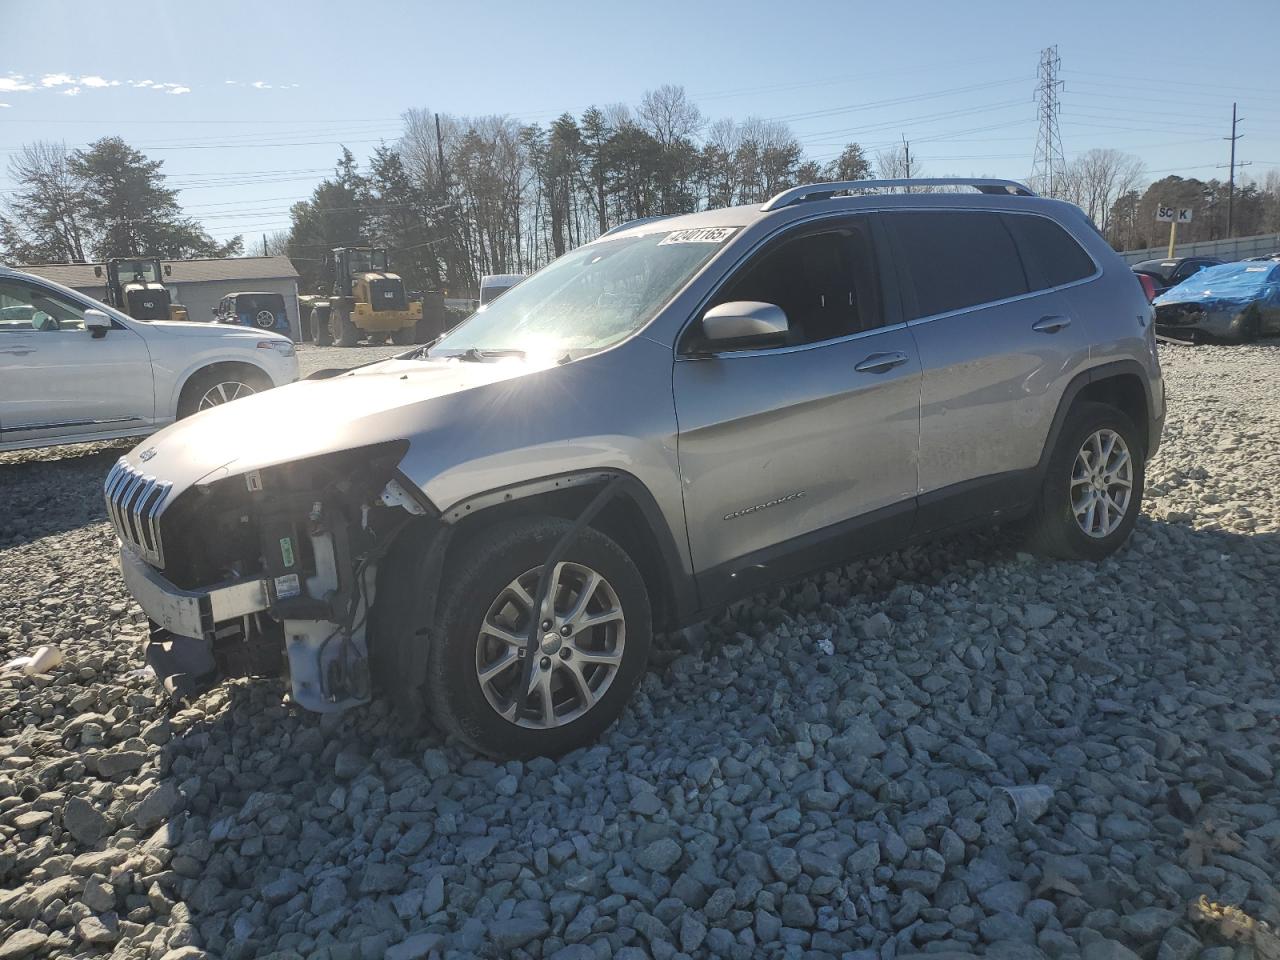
x=1232, y=301
x=1172, y=271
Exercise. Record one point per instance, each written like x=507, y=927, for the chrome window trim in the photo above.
x=863, y=211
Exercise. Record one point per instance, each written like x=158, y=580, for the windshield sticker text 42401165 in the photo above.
x=701, y=235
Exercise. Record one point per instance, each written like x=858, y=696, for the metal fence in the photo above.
x=1237, y=248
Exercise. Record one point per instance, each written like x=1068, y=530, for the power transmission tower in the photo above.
x=1231, y=175
x=1048, y=164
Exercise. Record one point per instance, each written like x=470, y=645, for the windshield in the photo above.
x=1227, y=281
x=590, y=298
x=134, y=271
x=362, y=261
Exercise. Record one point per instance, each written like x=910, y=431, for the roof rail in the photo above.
x=820, y=191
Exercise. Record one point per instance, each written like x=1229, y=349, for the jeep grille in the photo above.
x=134, y=503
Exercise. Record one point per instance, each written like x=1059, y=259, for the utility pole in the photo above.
x=449, y=272
x=906, y=153
x=264, y=244
x=1048, y=164
x=1231, y=175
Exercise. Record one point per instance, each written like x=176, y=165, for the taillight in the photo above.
x=1148, y=286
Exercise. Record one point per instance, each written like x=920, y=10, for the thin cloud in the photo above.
x=4, y=106
x=260, y=85
x=70, y=85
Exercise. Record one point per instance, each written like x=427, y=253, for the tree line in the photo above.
x=108, y=200
x=454, y=198
x=1108, y=186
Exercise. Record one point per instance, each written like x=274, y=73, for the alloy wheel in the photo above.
x=579, y=654
x=224, y=392
x=1101, y=483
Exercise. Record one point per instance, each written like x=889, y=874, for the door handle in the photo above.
x=1051, y=324
x=881, y=362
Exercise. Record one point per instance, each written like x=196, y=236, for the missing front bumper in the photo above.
x=189, y=613
x=189, y=649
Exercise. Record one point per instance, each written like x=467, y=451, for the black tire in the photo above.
x=250, y=379
x=1250, y=327
x=1054, y=530
x=403, y=337
x=321, y=336
x=484, y=567
x=344, y=332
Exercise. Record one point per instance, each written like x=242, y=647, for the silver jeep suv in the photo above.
x=683, y=412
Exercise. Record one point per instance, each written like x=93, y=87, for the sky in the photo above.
x=248, y=103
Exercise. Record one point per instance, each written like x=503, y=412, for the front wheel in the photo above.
x=345, y=333
x=218, y=385
x=403, y=337
x=321, y=336
x=591, y=650
x=1092, y=493
x=1249, y=328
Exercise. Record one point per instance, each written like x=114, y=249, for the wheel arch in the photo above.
x=228, y=366
x=1122, y=384
x=403, y=619
x=631, y=518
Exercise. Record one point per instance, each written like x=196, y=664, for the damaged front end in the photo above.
x=267, y=572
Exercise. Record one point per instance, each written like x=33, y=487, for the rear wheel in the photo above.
x=345, y=333
x=321, y=336
x=219, y=385
x=1092, y=493
x=403, y=337
x=591, y=651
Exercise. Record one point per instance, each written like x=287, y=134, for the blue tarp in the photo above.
x=1241, y=283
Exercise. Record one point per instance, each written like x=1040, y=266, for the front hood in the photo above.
x=187, y=328
x=392, y=400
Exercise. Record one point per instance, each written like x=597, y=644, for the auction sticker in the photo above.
x=288, y=586
x=700, y=235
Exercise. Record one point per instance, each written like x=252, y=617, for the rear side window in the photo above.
x=957, y=259
x=1050, y=250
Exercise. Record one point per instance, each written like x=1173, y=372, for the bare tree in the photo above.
x=276, y=244
x=669, y=115
x=45, y=218
x=1096, y=179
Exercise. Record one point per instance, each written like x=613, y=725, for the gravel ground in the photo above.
x=811, y=777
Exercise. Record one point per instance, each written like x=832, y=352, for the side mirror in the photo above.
x=97, y=271
x=744, y=323
x=97, y=323
x=168, y=270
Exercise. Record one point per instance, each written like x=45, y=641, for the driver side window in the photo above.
x=825, y=281
x=25, y=307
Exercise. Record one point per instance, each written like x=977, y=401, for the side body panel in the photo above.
x=613, y=410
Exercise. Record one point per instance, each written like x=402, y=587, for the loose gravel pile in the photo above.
x=813, y=776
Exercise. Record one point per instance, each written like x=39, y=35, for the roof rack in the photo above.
x=820, y=191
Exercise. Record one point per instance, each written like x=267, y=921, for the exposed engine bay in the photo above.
x=281, y=566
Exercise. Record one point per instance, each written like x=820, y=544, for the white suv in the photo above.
x=74, y=370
